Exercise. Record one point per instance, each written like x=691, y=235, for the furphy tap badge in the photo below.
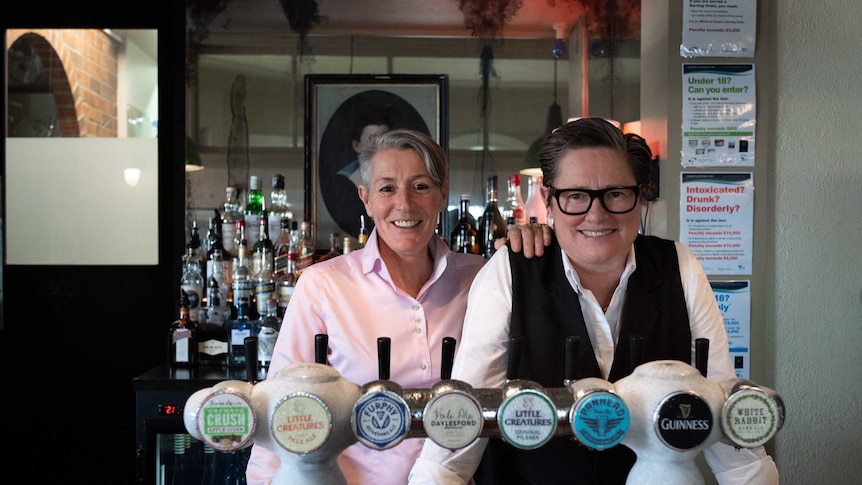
x=683, y=421
x=380, y=419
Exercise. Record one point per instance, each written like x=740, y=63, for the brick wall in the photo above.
x=82, y=64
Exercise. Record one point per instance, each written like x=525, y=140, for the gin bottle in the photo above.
x=255, y=208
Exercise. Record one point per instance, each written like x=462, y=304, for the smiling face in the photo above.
x=597, y=240
x=403, y=201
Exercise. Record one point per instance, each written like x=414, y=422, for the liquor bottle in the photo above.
x=212, y=333
x=439, y=229
x=514, y=202
x=334, y=250
x=225, y=257
x=183, y=348
x=279, y=207
x=217, y=310
x=306, y=244
x=207, y=242
x=493, y=226
x=286, y=283
x=263, y=248
x=281, y=245
x=347, y=245
x=254, y=209
x=263, y=284
x=218, y=270
x=240, y=327
x=464, y=238
x=362, y=237
x=192, y=283
x=197, y=256
x=242, y=284
x=230, y=214
x=535, y=206
x=270, y=325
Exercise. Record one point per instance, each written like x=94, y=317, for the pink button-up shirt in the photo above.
x=353, y=300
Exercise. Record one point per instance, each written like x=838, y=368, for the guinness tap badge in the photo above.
x=683, y=421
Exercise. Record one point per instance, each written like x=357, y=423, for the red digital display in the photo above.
x=170, y=410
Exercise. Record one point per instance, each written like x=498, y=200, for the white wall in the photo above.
x=806, y=298
x=817, y=304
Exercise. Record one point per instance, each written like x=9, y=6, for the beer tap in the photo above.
x=381, y=416
x=527, y=417
x=307, y=408
x=222, y=416
x=674, y=414
x=452, y=417
x=599, y=417
x=751, y=414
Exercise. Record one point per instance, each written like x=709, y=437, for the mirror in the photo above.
x=525, y=81
x=81, y=148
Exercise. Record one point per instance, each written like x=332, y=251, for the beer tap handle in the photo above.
x=636, y=351
x=701, y=355
x=448, y=358
x=514, y=358
x=384, y=347
x=250, y=344
x=573, y=347
x=321, y=347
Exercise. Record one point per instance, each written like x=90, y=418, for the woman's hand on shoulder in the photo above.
x=530, y=239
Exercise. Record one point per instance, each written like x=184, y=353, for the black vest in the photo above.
x=545, y=310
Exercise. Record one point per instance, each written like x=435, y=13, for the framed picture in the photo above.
x=342, y=109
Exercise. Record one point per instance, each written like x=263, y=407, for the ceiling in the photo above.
x=534, y=19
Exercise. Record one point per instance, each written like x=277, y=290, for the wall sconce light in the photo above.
x=193, y=158
x=132, y=176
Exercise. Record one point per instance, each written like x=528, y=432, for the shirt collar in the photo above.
x=372, y=261
x=572, y=275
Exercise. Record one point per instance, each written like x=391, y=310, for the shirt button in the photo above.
x=417, y=320
x=423, y=367
x=418, y=330
x=415, y=306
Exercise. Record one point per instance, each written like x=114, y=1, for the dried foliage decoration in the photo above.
x=486, y=18
x=303, y=15
x=623, y=17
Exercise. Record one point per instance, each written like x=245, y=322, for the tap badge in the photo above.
x=226, y=421
x=453, y=419
x=683, y=421
x=527, y=419
x=600, y=420
x=750, y=418
x=380, y=419
x=301, y=422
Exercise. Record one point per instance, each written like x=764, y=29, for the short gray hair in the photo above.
x=431, y=152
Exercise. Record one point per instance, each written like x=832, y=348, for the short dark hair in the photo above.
x=596, y=132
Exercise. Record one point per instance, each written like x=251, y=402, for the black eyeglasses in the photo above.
x=616, y=200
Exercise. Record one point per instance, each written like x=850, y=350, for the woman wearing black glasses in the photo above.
x=601, y=280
